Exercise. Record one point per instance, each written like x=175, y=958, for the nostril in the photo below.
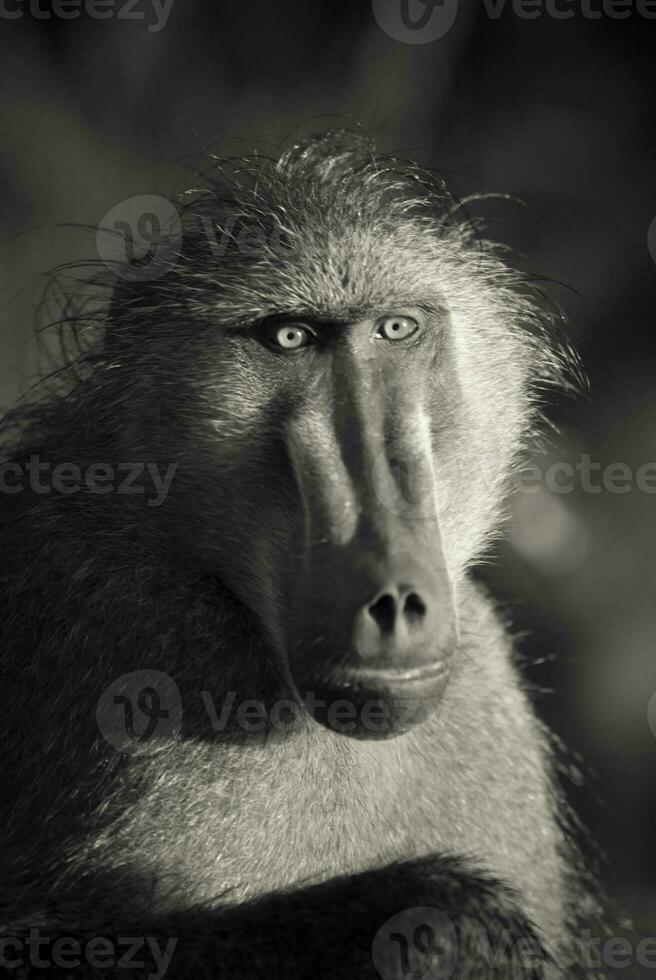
x=386, y=608
x=414, y=608
x=383, y=612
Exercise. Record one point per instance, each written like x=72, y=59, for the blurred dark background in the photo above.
x=555, y=113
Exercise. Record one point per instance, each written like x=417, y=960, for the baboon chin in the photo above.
x=315, y=407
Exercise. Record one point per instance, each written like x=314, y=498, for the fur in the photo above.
x=247, y=845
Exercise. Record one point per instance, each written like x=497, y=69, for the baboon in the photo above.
x=324, y=725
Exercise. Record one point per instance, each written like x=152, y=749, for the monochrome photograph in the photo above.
x=327, y=490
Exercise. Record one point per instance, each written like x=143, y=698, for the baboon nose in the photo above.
x=397, y=622
x=391, y=606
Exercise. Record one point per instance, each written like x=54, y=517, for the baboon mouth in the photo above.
x=389, y=675
x=422, y=684
x=373, y=701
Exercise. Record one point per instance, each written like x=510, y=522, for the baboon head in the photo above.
x=344, y=373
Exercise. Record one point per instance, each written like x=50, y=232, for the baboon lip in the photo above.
x=380, y=702
x=381, y=676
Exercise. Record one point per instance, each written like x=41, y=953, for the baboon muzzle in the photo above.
x=373, y=624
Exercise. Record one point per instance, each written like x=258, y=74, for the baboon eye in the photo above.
x=396, y=327
x=289, y=336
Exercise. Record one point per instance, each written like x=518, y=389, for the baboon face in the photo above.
x=351, y=390
x=341, y=492
x=326, y=440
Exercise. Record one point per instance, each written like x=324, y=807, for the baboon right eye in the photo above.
x=289, y=336
x=397, y=327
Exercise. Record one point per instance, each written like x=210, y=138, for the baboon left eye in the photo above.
x=397, y=327
x=289, y=336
